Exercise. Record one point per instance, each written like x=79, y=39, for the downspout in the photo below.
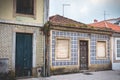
x=46, y=30
x=47, y=43
x=44, y=55
x=111, y=56
x=46, y=13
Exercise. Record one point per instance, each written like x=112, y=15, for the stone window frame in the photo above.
x=69, y=48
x=117, y=58
x=105, y=57
x=24, y=15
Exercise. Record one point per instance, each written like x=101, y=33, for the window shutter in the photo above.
x=101, y=49
x=62, y=49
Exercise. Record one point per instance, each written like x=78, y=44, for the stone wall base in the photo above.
x=74, y=69
x=64, y=70
x=99, y=67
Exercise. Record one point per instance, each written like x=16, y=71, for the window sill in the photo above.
x=98, y=58
x=56, y=59
x=25, y=15
x=117, y=58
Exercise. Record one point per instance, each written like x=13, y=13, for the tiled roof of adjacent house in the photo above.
x=106, y=24
x=58, y=20
x=113, y=19
x=63, y=21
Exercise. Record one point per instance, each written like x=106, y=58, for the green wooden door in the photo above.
x=23, y=65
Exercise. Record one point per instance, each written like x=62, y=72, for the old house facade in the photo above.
x=116, y=52
x=115, y=39
x=75, y=46
x=21, y=38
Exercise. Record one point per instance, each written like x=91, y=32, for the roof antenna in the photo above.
x=64, y=6
x=105, y=14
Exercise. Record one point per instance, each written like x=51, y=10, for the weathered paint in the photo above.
x=74, y=61
x=11, y=23
x=7, y=12
x=7, y=44
x=24, y=54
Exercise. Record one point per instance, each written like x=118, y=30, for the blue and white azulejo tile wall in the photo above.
x=75, y=36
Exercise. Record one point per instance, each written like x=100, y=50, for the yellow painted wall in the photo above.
x=7, y=12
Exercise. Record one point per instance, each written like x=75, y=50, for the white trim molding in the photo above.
x=106, y=49
x=116, y=39
x=34, y=49
x=85, y=39
x=69, y=49
x=112, y=49
x=21, y=23
x=14, y=52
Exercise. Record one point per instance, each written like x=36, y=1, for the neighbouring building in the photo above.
x=75, y=46
x=21, y=38
x=115, y=42
x=114, y=21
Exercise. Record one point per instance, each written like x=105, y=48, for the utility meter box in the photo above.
x=3, y=65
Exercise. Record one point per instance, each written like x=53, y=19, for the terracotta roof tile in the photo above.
x=63, y=21
x=105, y=24
x=58, y=20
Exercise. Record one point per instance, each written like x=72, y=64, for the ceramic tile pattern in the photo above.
x=7, y=40
x=75, y=36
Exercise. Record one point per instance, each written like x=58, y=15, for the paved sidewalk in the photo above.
x=100, y=75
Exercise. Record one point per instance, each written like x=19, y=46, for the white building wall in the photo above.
x=115, y=66
x=115, y=62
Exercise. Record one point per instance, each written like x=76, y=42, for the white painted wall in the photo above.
x=115, y=66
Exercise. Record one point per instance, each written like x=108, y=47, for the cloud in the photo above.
x=97, y=2
x=86, y=10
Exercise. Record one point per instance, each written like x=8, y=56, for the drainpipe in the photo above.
x=46, y=59
x=47, y=66
x=44, y=56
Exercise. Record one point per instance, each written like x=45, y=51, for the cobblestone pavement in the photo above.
x=99, y=75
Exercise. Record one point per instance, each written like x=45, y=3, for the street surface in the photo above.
x=99, y=75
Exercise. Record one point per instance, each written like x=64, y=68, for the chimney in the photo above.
x=95, y=20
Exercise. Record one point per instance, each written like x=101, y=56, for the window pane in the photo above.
x=118, y=55
x=62, y=49
x=101, y=49
x=118, y=48
x=118, y=52
x=24, y=6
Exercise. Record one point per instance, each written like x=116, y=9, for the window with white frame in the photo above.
x=62, y=48
x=101, y=49
x=117, y=48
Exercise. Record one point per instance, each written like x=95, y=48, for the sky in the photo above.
x=86, y=11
